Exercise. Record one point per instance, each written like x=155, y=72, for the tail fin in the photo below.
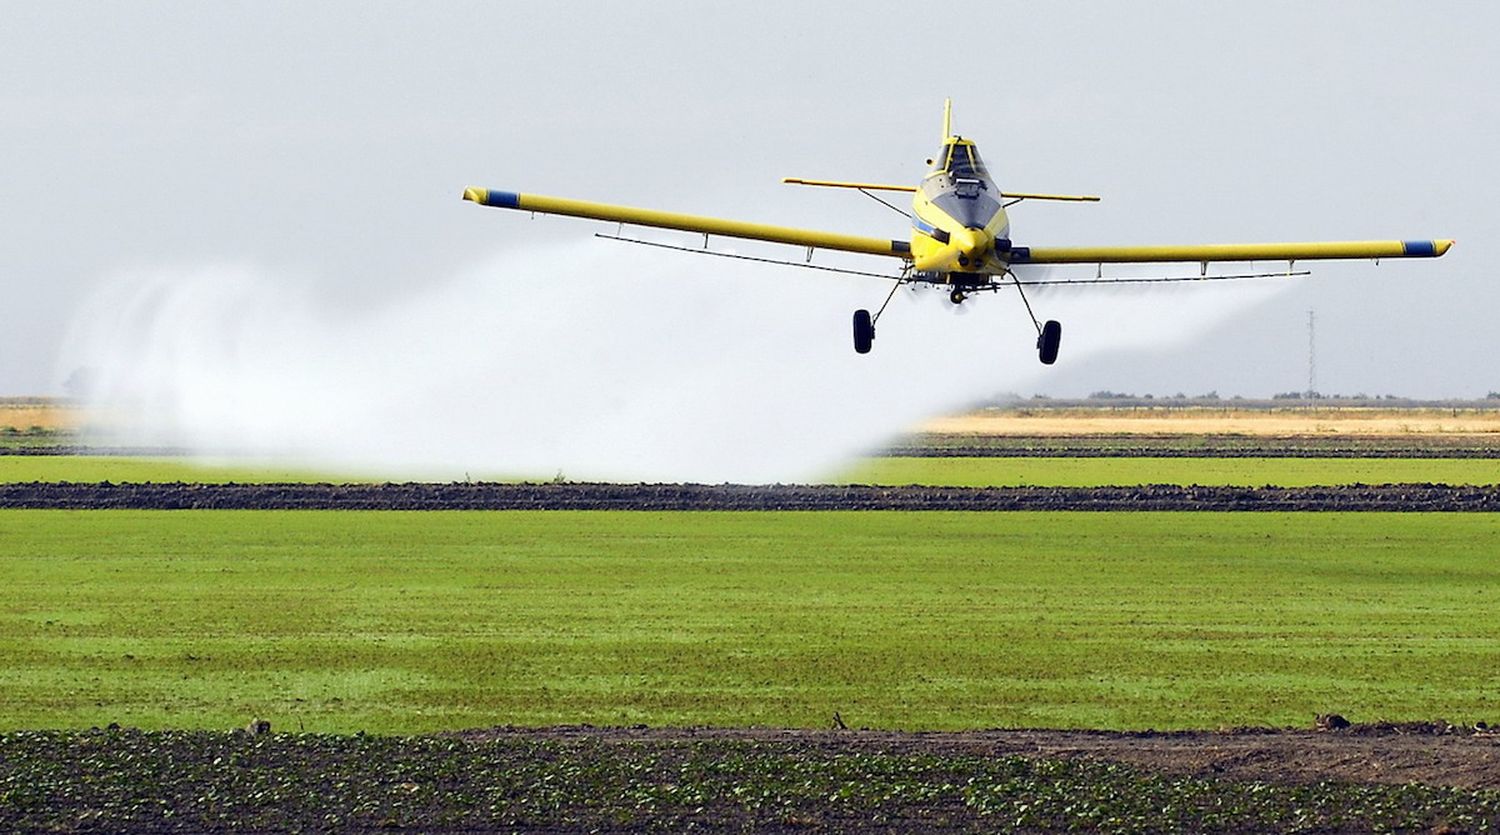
x=947, y=120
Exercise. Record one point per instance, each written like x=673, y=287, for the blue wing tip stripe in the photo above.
x=1418, y=248
x=502, y=199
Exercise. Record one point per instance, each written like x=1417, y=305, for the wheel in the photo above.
x=1046, y=344
x=864, y=332
x=957, y=296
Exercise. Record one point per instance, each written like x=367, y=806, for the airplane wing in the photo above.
x=1313, y=250
x=689, y=223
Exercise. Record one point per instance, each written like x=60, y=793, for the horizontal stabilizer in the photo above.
x=1072, y=198
x=798, y=181
x=1019, y=195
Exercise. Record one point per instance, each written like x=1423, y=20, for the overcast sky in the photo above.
x=330, y=142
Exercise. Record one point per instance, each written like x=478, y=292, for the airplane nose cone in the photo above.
x=970, y=242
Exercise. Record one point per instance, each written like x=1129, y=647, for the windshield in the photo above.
x=962, y=160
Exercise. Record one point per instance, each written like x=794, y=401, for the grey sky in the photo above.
x=331, y=141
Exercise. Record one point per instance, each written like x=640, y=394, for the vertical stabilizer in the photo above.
x=947, y=120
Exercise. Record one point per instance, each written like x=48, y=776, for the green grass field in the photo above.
x=958, y=472
x=403, y=622
x=120, y=469
x=1241, y=472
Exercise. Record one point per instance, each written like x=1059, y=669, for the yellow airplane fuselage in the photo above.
x=959, y=224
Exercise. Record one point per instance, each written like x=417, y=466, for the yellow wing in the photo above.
x=1308, y=251
x=689, y=223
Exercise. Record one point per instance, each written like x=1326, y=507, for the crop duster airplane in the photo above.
x=960, y=238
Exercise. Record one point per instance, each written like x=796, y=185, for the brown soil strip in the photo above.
x=1435, y=753
x=674, y=497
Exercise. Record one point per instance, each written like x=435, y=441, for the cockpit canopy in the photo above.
x=961, y=160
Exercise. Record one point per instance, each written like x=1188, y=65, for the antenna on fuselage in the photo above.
x=947, y=120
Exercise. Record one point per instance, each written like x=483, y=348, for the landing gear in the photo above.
x=864, y=332
x=864, y=323
x=1048, y=340
x=1048, y=334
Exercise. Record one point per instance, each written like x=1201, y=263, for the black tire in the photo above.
x=1048, y=342
x=864, y=332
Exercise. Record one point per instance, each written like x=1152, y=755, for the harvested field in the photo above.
x=590, y=780
x=1226, y=421
x=31, y=413
x=35, y=420
x=672, y=497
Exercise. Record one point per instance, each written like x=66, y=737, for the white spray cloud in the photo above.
x=598, y=361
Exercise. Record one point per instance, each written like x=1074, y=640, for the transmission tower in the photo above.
x=1312, y=356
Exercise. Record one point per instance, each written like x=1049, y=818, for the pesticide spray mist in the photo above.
x=591, y=362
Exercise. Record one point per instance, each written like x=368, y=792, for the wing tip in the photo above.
x=491, y=197
x=1428, y=249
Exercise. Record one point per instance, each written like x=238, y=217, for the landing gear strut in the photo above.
x=1048, y=336
x=864, y=323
